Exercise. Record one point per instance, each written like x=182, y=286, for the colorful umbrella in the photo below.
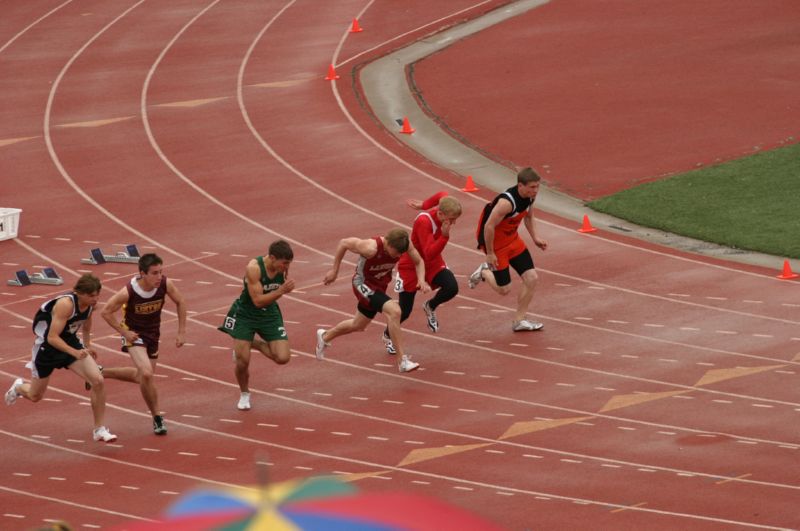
x=323, y=503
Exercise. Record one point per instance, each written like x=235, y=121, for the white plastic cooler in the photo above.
x=9, y=223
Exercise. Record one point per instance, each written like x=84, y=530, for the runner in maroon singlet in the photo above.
x=142, y=300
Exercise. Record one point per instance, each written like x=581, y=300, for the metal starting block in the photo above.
x=129, y=256
x=21, y=278
x=47, y=276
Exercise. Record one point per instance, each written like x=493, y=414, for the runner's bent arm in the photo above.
x=180, y=304
x=110, y=309
x=419, y=265
x=86, y=332
x=365, y=248
x=256, y=289
x=62, y=310
x=430, y=245
x=530, y=224
x=427, y=204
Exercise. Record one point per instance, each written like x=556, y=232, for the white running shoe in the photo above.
x=477, y=276
x=102, y=434
x=244, y=402
x=321, y=345
x=11, y=394
x=526, y=326
x=433, y=323
x=406, y=365
x=387, y=341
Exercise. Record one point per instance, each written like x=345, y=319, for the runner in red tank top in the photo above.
x=142, y=300
x=430, y=234
x=377, y=258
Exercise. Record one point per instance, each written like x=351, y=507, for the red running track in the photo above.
x=660, y=395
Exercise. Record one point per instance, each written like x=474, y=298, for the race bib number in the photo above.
x=282, y=330
x=398, y=283
x=138, y=342
x=229, y=324
x=364, y=290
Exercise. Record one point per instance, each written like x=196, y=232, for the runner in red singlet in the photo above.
x=430, y=234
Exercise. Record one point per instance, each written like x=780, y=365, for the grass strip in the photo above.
x=751, y=203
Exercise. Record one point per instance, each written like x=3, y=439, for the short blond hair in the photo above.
x=449, y=206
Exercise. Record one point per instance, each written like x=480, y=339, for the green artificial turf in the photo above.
x=751, y=203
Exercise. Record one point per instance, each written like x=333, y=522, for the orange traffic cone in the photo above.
x=587, y=225
x=356, y=28
x=406, y=130
x=331, y=73
x=470, y=186
x=787, y=272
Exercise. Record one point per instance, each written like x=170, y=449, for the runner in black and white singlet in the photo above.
x=141, y=301
x=57, y=346
x=377, y=258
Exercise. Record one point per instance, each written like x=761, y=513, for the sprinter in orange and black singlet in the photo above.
x=498, y=236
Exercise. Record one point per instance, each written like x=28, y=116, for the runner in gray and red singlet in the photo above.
x=377, y=258
x=142, y=300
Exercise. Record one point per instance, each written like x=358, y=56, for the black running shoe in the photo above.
x=158, y=425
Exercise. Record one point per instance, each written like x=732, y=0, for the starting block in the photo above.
x=129, y=256
x=21, y=278
x=47, y=276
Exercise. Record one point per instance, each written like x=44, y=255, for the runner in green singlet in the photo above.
x=256, y=311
